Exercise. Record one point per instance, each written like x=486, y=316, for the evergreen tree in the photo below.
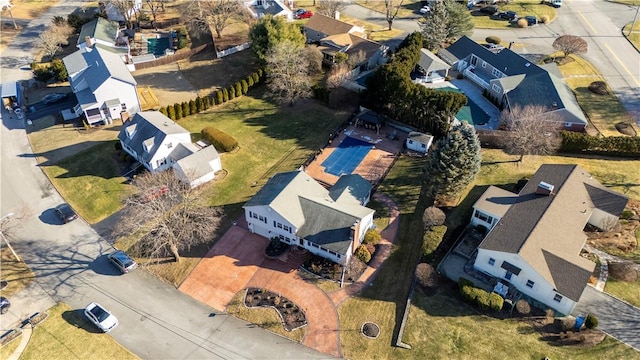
x=232, y=92
x=199, y=104
x=225, y=95
x=238, y=87
x=245, y=86
x=453, y=162
x=171, y=112
x=250, y=81
x=178, y=109
x=270, y=31
x=185, y=109
x=206, y=103
x=219, y=99
x=163, y=111
x=192, y=107
x=447, y=21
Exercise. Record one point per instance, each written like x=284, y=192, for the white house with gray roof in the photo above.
x=106, y=35
x=515, y=81
x=535, y=237
x=159, y=143
x=103, y=85
x=297, y=209
x=418, y=142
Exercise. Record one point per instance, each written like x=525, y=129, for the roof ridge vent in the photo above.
x=544, y=188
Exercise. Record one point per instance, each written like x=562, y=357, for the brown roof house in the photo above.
x=535, y=236
x=335, y=36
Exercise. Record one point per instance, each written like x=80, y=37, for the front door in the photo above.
x=301, y=242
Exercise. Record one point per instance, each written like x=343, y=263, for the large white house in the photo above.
x=535, y=236
x=158, y=143
x=297, y=209
x=103, y=85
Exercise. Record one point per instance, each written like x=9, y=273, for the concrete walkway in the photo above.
x=604, y=265
x=24, y=341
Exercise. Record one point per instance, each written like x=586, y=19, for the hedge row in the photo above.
x=480, y=297
x=178, y=111
x=219, y=139
x=618, y=145
x=431, y=240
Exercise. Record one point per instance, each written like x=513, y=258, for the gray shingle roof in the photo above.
x=536, y=224
x=326, y=226
x=430, y=62
x=327, y=25
x=352, y=188
x=196, y=165
x=150, y=126
x=495, y=201
x=419, y=137
x=99, y=28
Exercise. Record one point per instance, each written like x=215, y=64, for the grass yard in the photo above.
x=23, y=12
x=629, y=292
x=90, y=181
x=627, y=2
x=603, y=111
x=408, y=8
x=522, y=7
x=16, y=273
x=374, y=32
x=66, y=334
x=266, y=318
x=633, y=34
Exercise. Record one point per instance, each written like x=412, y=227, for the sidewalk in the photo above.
x=604, y=265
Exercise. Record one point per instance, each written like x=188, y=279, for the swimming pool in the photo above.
x=346, y=157
x=471, y=113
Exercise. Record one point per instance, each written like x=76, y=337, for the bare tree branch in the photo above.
x=288, y=76
x=533, y=130
x=204, y=15
x=330, y=7
x=391, y=10
x=570, y=44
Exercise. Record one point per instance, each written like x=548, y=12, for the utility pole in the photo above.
x=5, y=238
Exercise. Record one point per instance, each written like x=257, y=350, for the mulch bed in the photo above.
x=370, y=330
x=331, y=271
x=292, y=316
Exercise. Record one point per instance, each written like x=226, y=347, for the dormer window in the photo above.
x=169, y=145
x=147, y=144
x=131, y=129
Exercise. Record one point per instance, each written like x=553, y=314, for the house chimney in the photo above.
x=87, y=40
x=554, y=106
x=336, y=15
x=354, y=232
x=544, y=188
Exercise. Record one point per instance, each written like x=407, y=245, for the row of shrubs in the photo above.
x=219, y=139
x=431, y=240
x=614, y=145
x=480, y=297
x=368, y=246
x=178, y=111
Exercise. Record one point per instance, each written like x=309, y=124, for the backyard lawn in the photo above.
x=66, y=334
x=629, y=292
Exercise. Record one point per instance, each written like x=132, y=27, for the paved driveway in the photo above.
x=615, y=317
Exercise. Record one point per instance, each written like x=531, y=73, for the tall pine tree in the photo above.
x=454, y=162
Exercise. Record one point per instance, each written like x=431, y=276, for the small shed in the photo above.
x=419, y=142
x=10, y=94
x=370, y=120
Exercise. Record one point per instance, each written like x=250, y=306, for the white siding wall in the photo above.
x=478, y=218
x=541, y=290
x=416, y=146
x=267, y=229
x=127, y=94
x=601, y=219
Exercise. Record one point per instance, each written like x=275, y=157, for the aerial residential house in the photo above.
x=103, y=85
x=106, y=35
x=433, y=69
x=512, y=80
x=335, y=36
x=419, y=142
x=535, y=237
x=260, y=8
x=294, y=207
x=158, y=143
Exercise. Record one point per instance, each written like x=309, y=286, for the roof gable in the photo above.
x=327, y=25
x=147, y=130
x=430, y=62
x=99, y=28
x=350, y=188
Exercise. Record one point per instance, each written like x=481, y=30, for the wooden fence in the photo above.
x=171, y=58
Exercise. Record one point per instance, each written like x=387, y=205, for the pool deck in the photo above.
x=474, y=94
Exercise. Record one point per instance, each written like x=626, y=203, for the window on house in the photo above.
x=424, y=146
x=410, y=141
x=261, y=218
x=254, y=215
x=530, y=283
x=279, y=226
x=484, y=64
x=265, y=220
x=567, y=124
x=274, y=223
x=483, y=217
x=474, y=60
x=162, y=162
x=285, y=228
x=496, y=88
x=557, y=298
x=281, y=237
x=123, y=107
x=508, y=275
x=492, y=261
x=169, y=145
x=496, y=72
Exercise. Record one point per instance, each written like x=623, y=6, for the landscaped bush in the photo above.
x=238, y=87
x=171, y=112
x=186, y=111
x=245, y=86
x=219, y=139
x=493, y=40
x=544, y=19
x=199, y=104
x=372, y=237
x=206, y=103
x=58, y=70
x=178, y=109
x=626, y=214
x=250, y=81
x=41, y=73
x=598, y=87
x=433, y=216
x=522, y=23
x=163, y=111
x=218, y=99
x=495, y=302
x=232, y=93
x=431, y=240
x=225, y=95
x=363, y=254
x=426, y=276
x=523, y=307
x=192, y=107
x=618, y=145
x=591, y=322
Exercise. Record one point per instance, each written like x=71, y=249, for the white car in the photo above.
x=425, y=9
x=101, y=317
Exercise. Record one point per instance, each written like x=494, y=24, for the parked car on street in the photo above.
x=531, y=20
x=54, y=98
x=508, y=15
x=490, y=10
x=66, y=213
x=100, y=317
x=425, y=9
x=5, y=304
x=303, y=14
x=122, y=261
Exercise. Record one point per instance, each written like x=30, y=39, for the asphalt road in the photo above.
x=156, y=320
x=598, y=22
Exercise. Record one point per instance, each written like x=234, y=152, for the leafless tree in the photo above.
x=391, y=10
x=6, y=5
x=338, y=75
x=570, y=44
x=314, y=56
x=170, y=213
x=52, y=37
x=533, y=130
x=357, y=59
x=155, y=6
x=204, y=15
x=288, y=75
x=124, y=7
x=330, y=7
x=433, y=216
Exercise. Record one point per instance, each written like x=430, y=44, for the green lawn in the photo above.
x=522, y=8
x=407, y=9
x=629, y=292
x=603, y=111
x=90, y=181
x=66, y=334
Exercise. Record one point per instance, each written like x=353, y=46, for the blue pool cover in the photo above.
x=347, y=156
